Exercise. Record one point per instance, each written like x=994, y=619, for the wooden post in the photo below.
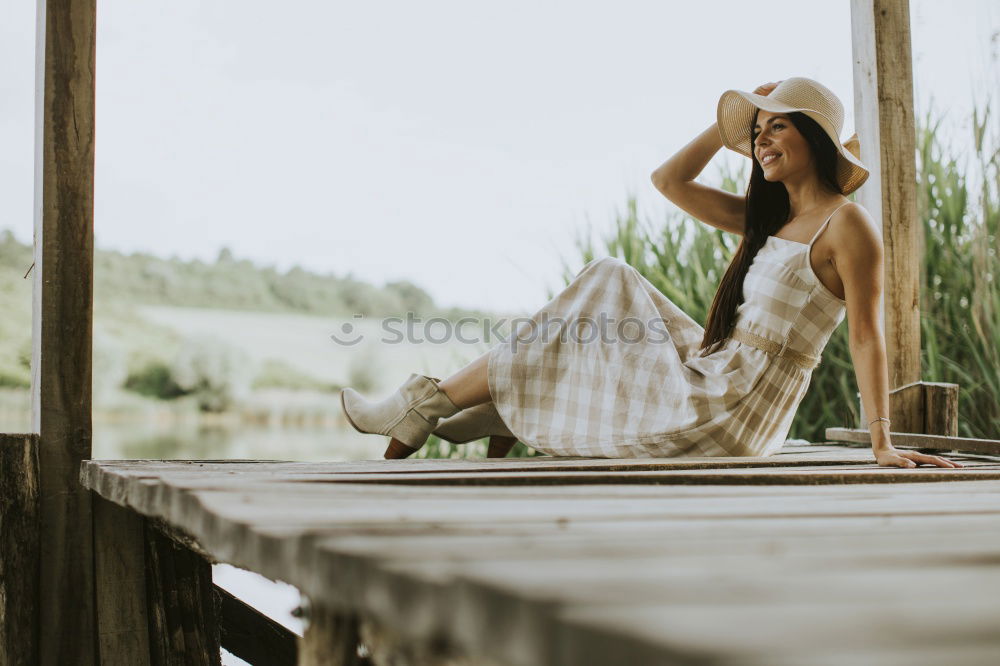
x=884, y=120
x=941, y=408
x=19, y=549
x=62, y=323
x=120, y=570
x=937, y=402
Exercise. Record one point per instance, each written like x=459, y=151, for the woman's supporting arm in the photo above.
x=858, y=256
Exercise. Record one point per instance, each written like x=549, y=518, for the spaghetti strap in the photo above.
x=823, y=226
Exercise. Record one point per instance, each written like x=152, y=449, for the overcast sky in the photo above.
x=462, y=145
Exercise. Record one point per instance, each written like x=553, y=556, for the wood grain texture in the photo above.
x=556, y=572
x=19, y=549
x=182, y=606
x=252, y=636
x=120, y=585
x=884, y=119
x=62, y=322
x=920, y=441
x=941, y=408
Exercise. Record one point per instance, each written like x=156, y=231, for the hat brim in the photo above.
x=735, y=112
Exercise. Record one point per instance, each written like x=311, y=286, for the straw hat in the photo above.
x=736, y=109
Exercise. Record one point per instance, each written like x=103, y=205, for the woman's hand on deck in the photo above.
x=889, y=456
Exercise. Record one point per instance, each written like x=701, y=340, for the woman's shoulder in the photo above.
x=853, y=227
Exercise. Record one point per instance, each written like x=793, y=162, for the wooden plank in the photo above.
x=497, y=613
x=884, y=119
x=248, y=527
x=951, y=653
x=62, y=308
x=812, y=456
x=494, y=568
x=19, y=549
x=725, y=476
x=120, y=585
x=251, y=635
x=331, y=638
x=815, y=455
x=220, y=516
x=738, y=631
x=916, y=440
x=183, y=617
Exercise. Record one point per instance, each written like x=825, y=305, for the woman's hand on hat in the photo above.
x=766, y=88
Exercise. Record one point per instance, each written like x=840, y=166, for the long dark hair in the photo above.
x=767, y=210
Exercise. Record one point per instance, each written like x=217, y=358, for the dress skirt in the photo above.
x=610, y=367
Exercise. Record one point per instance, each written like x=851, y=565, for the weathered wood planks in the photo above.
x=643, y=571
x=19, y=549
x=120, y=594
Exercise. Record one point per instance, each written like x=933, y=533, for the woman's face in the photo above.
x=774, y=134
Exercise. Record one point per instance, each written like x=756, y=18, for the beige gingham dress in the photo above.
x=639, y=389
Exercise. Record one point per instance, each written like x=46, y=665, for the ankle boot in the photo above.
x=477, y=422
x=407, y=416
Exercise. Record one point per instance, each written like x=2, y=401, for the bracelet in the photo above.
x=881, y=418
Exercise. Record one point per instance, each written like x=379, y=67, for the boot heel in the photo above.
x=397, y=450
x=500, y=446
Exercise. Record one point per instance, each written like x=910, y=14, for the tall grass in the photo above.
x=960, y=276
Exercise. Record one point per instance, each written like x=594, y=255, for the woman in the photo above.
x=808, y=257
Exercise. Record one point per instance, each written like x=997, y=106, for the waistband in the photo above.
x=777, y=348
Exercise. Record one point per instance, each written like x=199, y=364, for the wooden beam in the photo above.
x=916, y=440
x=62, y=322
x=19, y=549
x=120, y=571
x=252, y=636
x=183, y=616
x=884, y=120
x=155, y=600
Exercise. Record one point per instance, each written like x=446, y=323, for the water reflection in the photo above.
x=172, y=441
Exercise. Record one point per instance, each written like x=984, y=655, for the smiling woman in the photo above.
x=673, y=388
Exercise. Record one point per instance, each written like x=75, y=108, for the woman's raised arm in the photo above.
x=675, y=180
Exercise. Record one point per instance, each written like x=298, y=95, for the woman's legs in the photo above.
x=468, y=386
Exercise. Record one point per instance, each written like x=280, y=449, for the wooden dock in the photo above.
x=813, y=556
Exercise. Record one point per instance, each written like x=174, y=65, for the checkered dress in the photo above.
x=609, y=367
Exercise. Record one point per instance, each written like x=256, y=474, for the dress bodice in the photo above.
x=785, y=301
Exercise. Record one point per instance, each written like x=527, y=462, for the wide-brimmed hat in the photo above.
x=737, y=107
